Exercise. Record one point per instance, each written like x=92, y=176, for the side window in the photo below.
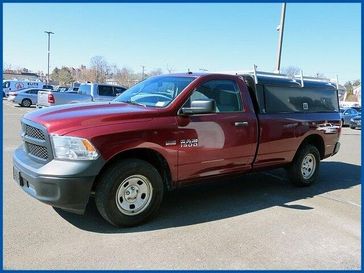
x=34, y=91
x=282, y=99
x=105, y=90
x=260, y=97
x=225, y=93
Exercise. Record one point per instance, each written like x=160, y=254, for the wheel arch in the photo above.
x=149, y=155
x=315, y=140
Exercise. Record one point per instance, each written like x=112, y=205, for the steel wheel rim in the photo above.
x=308, y=166
x=134, y=195
x=26, y=103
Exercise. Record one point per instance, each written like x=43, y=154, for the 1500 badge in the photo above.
x=185, y=143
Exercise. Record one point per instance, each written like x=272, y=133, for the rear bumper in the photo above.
x=63, y=184
x=337, y=148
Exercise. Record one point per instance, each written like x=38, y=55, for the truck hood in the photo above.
x=67, y=118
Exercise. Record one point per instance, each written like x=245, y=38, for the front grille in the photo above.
x=36, y=150
x=33, y=132
x=36, y=141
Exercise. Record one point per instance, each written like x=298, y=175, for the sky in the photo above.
x=318, y=38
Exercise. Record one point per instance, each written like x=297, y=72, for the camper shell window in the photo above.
x=280, y=99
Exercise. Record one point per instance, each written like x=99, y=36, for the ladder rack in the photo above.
x=296, y=78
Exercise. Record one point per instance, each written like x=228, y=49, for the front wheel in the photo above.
x=129, y=192
x=305, y=166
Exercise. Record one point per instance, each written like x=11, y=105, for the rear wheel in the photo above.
x=305, y=166
x=129, y=192
x=26, y=103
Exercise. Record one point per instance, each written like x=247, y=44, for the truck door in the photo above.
x=217, y=143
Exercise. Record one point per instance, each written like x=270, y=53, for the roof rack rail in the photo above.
x=255, y=73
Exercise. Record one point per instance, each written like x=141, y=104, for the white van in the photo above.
x=15, y=85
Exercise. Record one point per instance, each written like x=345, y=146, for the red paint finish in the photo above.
x=222, y=147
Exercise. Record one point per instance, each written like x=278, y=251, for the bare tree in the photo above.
x=291, y=70
x=155, y=72
x=100, y=68
x=319, y=75
x=125, y=77
x=170, y=69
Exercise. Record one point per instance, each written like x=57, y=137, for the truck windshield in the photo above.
x=157, y=91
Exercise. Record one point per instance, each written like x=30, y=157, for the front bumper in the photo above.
x=59, y=183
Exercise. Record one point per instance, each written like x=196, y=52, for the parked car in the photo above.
x=72, y=90
x=61, y=89
x=87, y=92
x=355, y=122
x=346, y=114
x=174, y=130
x=26, y=97
x=16, y=85
x=50, y=87
x=12, y=95
x=357, y=108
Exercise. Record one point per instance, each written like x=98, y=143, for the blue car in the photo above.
x=346, y=114
x=355, y=122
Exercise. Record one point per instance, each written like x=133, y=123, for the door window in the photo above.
x=105, y=90
x=225, y=93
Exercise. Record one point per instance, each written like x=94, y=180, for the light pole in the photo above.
x=49, y=51
x=280, y=28
x=143, y=69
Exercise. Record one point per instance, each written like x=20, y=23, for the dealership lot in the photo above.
x=256, y=221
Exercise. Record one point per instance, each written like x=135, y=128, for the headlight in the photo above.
x=73, y=148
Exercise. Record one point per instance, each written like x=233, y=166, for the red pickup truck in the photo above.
x=174, y=130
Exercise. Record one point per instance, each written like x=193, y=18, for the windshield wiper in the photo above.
x=135, y=103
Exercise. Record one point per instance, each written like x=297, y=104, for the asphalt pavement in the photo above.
x=256, y=221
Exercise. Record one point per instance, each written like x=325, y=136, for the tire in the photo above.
x=305, y=166
x=26, y=103
x=352, y=127
x=129, y=179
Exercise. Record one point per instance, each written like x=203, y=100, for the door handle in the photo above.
x=241, y=123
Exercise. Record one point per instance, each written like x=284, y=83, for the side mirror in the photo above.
x=200, y=107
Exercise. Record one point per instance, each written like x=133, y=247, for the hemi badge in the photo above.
x=171, y=142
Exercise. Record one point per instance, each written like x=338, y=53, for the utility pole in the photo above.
x=49, y=51
x=143, y=67
x=280, y=28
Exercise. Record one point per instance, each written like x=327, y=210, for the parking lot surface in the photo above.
x=256, y=221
